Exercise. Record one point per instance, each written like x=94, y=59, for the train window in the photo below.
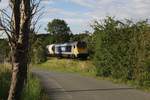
x=59, y=49
x=68, y=48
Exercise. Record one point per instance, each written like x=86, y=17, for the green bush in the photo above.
x=38, y=52
x=122, y=49
x=4, y=83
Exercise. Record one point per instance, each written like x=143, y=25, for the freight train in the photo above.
x=76, y=49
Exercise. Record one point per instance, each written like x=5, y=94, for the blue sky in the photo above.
x=79, y=14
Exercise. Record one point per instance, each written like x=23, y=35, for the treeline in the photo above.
x=122, y=50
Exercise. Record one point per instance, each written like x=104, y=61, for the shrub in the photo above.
x=38, y=52
x=122, y=49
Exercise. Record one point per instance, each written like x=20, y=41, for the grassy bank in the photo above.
x=32, y=91
x=68, y=65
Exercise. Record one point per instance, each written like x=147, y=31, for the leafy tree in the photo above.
x=60, y=30
x=46, y=39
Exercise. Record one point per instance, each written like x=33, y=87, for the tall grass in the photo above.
x=68, y=65
x=32, y=91
x=4, y=81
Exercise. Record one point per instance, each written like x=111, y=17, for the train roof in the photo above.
x=66, y=44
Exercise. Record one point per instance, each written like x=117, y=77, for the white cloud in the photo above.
x=46, y=2
x=86, y=3
x=118, y=8
x=64, y=13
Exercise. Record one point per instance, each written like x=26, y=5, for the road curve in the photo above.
x=68, y=86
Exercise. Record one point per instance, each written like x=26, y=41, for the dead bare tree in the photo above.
x=17, y=27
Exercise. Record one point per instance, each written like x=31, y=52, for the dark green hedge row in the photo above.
x=123, y=50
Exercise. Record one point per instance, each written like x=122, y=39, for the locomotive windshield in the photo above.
x=81, y=45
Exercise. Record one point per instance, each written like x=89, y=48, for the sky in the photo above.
x=80, y=14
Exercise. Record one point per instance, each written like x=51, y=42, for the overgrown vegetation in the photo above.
x=32, y=91
x=4, y=50
x=5, y=77
x=68, y=65
x=38, y=52
x=123, y=50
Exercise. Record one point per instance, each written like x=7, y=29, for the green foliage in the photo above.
x=60, y=30
x=123, y=50
x=5, y=78
x=91, y=41
x=46, y=39
x=4, y=50
x=38, y=52
x=79, y=37
x=38, y=43
x=33, y=90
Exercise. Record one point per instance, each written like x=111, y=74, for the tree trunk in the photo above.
x=19, y=65
x=20, y=50
x=19, y=73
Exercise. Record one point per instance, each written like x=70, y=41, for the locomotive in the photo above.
x=77, y=49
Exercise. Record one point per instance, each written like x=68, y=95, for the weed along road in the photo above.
x=68, y=86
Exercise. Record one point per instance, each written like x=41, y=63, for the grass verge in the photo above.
x=32, y=91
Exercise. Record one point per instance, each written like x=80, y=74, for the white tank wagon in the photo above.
x=50, y=49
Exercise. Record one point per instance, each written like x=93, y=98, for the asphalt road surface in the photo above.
x=68, y=86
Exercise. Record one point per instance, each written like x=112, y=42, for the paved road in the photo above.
x=66, y=86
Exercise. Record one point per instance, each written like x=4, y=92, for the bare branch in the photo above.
x=6, y=25
x=36, y=11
